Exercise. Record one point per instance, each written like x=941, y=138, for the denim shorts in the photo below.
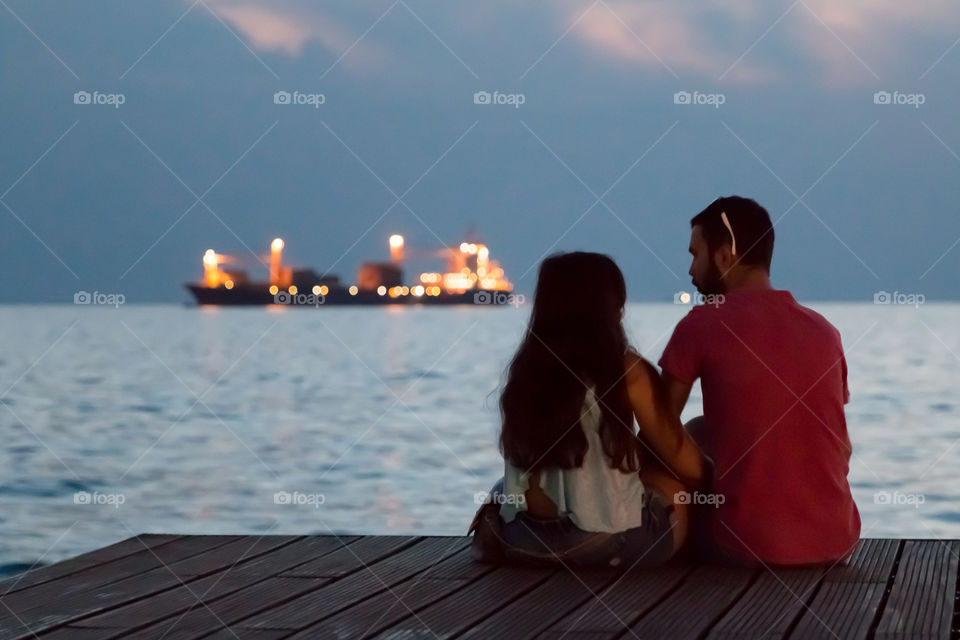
x=558, y=541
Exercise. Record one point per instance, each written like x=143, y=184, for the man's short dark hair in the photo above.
x=752, y=229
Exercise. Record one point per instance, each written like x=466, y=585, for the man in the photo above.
x=774, y=384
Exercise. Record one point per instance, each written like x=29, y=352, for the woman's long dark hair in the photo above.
x=575, y=338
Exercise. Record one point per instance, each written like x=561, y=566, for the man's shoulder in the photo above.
x=701, y=315
x=702, y=312
x=819, y=321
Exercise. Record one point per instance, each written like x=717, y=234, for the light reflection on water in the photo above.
x=198, y=417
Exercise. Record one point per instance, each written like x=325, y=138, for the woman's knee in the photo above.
x=674, y=493
x=697, y=430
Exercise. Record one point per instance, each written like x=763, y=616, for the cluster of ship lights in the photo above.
x=418, y=291
x=487, y=276
x=318, y=290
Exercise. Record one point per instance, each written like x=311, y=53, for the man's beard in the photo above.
x=712, y=283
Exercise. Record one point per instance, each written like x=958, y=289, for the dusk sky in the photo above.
x=784, y=107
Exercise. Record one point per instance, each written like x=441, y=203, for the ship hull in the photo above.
x=260, y=296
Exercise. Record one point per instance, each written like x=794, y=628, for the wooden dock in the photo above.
x=178, y=587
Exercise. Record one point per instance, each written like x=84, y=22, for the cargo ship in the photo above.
x=471, y=278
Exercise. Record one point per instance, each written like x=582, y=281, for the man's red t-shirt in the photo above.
x=774, y=383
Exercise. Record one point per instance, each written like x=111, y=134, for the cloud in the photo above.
x=265, y=29
x=289, y=28
x=658, y=35
x=851, y=41
x=744, y=41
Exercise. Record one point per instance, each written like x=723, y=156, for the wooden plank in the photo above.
x=841, y=611
x=921, y=600
x=372, y=616
x=620, y=604
x=326, y=568
x=275, y=592
x=245, y=573
x=52, y=604
x=851, y=594
x=872, y=561
x=467, y=607
x=250, y=634
x=395, y=587
x=771, y=605
x=97, y=557
x=123, y=568
x=80, y=634
x=565, y=590
x=363, y=584
x=75, y=603
x=699, y=601
x=227, y=555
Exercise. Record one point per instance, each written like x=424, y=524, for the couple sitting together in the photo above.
x=600, y=471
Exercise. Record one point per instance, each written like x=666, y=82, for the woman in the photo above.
x=581, y=485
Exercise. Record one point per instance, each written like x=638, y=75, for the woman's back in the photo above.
x=595, y=496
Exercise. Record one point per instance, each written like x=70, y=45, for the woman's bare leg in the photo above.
x=697, y=430
x=670, y=488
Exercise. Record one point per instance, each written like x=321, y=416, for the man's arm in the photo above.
x=677, y=392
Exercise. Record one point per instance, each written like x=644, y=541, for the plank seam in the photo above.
x=330, y=582
x=872, y=630
x=417, y=610
x=180, y=584
x=720, y=616
x=20, y=576
x=807, y=605
x=656, y=603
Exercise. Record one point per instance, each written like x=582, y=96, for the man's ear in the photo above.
x=723, y=259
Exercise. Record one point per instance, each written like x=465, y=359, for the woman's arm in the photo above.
x=660, y=427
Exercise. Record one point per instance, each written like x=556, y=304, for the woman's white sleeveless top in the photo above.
x=594, y=496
